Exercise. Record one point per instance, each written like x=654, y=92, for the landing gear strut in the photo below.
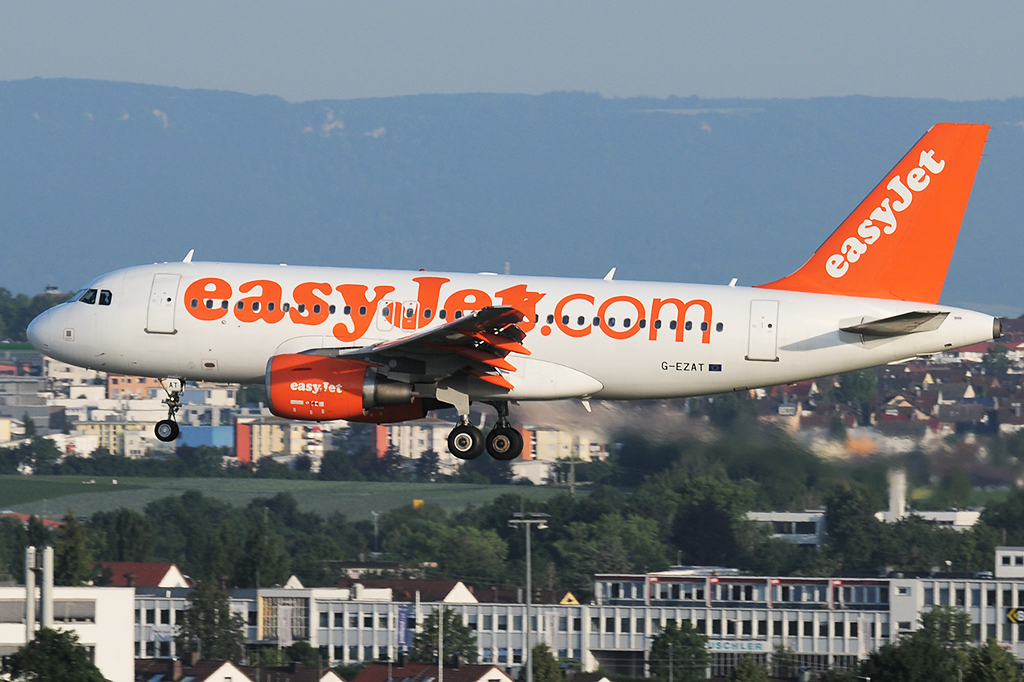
x=504, y=443
x=167, y=429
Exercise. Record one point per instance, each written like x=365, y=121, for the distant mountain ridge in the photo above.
x=99, y=175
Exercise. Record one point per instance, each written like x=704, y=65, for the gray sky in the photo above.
x=309, y=49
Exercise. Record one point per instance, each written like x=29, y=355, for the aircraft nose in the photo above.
x=42, y=332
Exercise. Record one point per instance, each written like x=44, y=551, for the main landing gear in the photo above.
x=167, y=429
x=503, y=443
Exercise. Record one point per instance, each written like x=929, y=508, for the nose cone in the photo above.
x=42, y=332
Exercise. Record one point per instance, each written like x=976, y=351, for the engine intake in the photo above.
x=317, y=388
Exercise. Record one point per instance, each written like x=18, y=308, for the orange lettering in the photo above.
x=566, y=329
x=523, y=300
x=632, y=330
x=305, y=296
x=362, y=310
x=681, y=309
x=266, y=306
x=208, y=289
x=428, y=296
x=467, y=299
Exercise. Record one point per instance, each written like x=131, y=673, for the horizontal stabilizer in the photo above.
x=900, y=325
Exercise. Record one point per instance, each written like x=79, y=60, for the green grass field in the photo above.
x=52, y=496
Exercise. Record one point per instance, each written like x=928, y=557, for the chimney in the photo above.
x=130, y=579
x=46, y=590
x=193, y=658
x=174, y=670
x=30, y=593
x=897, y=495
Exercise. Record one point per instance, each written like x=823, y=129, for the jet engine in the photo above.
x=317, y=388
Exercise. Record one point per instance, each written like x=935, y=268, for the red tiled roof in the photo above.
x=145, y=574
x=25, y=517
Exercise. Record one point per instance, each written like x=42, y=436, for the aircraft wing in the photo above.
x=899, y=325
x=476, y=344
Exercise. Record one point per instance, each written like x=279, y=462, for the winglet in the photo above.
x=188, y=256
x=898, y=243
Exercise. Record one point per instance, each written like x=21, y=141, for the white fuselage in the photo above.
x=592, y=338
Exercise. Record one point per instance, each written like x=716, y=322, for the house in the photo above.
x=144, y=574
x=24, y=518
x=191, y=670
x=402, y=671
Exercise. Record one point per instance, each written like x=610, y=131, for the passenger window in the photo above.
x=580, y=321
x=426, y=313
x=240, y=305
x=657, y=324
x=362, y=310
x=458, y=314
x=597, y=321
x=286, y=306
x=209, y=304
x=703, y=326
x=611, y=321
x=386, y=312
x=302, y=308
x=347, y=310
x=194, y=303
x=443, y=314
x=224, y=305
x=316, y=309
x=672, y=324
x=626, y=323
x=270, y=306
x=565, y=319
x=689, y=326
x=643, y=324
x=105, y=297
x=331, y=309
x=89, y=297
x=551, y=319
x=255, y=306
x=719, y=327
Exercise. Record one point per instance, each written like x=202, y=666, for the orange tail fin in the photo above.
x=897, y=244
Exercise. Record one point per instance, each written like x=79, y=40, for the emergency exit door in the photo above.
x=764, y=328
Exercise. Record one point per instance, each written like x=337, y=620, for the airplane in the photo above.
x=386, y=346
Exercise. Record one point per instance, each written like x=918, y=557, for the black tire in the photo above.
x=466, y=442
x=504, y=443
x=166, y=430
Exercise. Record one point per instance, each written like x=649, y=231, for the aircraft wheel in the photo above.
x=466, y=442
x=504, y=443
x=166, y=430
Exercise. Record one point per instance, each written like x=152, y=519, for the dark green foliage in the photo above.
x=52, y=655
x=933, y=653
x=122, y=535
x=545, y=667
x=17, y=311
x=683, y=649
x=992, y=663
x=13, y=540
x=458, y=639
x=747, y=670
x=427, y=466
x=859, y=389
x=304, y=653
x=210, y=627
x=72, y=561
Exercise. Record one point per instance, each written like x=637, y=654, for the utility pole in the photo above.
x=440, y=644
x=526, y=520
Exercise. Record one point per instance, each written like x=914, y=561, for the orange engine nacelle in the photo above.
x=317, y=388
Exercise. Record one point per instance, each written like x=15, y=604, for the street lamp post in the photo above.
x=526, y=520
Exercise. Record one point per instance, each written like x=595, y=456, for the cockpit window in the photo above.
x=105, y=297
x=89, y=297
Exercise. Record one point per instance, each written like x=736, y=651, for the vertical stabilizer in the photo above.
x=898, y=243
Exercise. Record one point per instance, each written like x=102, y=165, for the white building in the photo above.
x=100, y=616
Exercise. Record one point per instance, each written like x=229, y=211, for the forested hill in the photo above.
x=99, y=175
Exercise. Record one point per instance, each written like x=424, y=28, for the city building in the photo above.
x=100, y=616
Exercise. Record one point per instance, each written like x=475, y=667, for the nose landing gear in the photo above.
x=167, y=430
